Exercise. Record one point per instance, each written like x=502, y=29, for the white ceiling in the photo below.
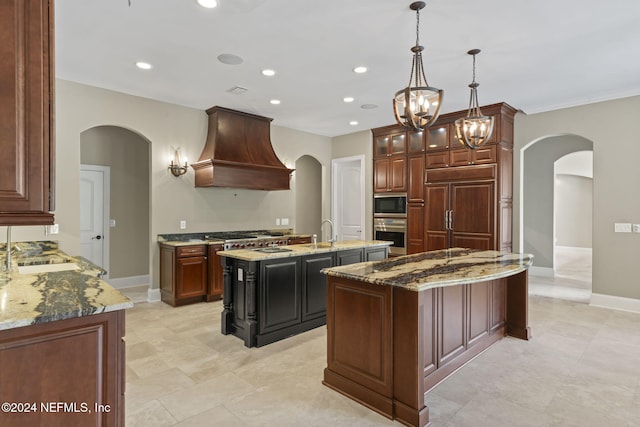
x=536, y=55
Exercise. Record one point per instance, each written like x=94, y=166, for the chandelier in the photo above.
x=418, y=105
x=475, y=129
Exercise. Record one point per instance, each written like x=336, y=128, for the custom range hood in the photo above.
x=238, y=153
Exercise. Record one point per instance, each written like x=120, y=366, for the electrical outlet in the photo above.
x=285, y=221
x=183, y=224
x=277, y=221
x=635, y=228
x=54, y=229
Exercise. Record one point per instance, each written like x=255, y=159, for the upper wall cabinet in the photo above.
x=26, y=112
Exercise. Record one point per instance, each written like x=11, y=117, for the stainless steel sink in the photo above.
x=274, y=250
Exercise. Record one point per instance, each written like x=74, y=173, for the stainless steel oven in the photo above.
x=392, y=229
x=390, y=205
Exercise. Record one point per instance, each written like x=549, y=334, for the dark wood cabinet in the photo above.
x=272, y=299
x=214, y=263
x=465, y=196
x=415, y=228
x=26, y=113
x=79, y=361
x=461, y=214
x=314, y=290
x=390, y=174
x=350, y=256
x=281, y=294
x=183, y=274
x=390, y=143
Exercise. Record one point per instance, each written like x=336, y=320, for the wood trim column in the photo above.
x=518, y=306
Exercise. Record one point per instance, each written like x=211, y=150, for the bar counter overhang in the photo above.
x=398, y=327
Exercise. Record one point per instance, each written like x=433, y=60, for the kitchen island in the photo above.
x=396, y=328
x=271, y=293
x=62, y=354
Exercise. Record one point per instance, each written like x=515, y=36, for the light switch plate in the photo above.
x=622, y=227
x=285, y=221
x=54, y=229
x=635, y=228
x=112, y=223
x=277, y=221
x=183, y=224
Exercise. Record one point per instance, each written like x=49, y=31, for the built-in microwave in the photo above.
x=385, y=205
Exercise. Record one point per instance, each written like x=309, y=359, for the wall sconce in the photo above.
x=175, y=167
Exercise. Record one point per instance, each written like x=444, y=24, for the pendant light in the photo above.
x=418, y=105
x=475, y=129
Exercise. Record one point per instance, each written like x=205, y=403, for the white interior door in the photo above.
x=348, y=197
x=93, y=242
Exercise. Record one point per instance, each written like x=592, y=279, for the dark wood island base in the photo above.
x=388, y=345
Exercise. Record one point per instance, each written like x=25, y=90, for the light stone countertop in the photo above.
x=301, y=250
x=435, y=269
x=27, y=299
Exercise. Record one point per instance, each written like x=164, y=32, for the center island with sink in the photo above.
x=271, y=293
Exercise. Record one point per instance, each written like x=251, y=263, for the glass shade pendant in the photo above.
x=475, y=129
x=418, y=105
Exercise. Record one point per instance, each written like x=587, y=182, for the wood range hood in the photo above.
x=238, y=153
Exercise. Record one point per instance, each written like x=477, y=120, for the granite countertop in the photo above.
x=435, y=269
x=40, y=297
x=188, y=239
x=300, y=250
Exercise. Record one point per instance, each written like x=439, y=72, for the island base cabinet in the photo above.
x=387, y=346
x=64, y=373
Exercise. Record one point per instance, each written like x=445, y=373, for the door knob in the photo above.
x=98, y=237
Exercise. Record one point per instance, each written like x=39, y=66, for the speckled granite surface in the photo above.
x=186, y=239
x=299, y=250
x=434, y=269
x=26, y=299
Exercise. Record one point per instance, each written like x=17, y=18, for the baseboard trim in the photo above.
x=615, y=303
x=153, y=295
x=541, y=271
x=129, y=282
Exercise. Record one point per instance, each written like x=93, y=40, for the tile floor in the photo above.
x=580, y=369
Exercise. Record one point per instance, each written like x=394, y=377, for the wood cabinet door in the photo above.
x=473, y=220
x=215, y=285
x=350, y=256
x=437, y=205
x=279, y=294
x=415, y=228
x=415, y=187
x=26, y=103
x=191, y=280
x=452, y=326
x=314, y=291
x=380, y=175
x=398, y=174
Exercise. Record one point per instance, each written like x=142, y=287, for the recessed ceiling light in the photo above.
x=368, y=106
x=209, y=4
x=230, y=59
x=348, y=99
x=353, y=123
x=360, y=70
x=268, y=72
x=144, y=65
x=275, y=101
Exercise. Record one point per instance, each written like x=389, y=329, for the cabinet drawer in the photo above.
x=438, y=159
x=198, y=250
x=486, y=154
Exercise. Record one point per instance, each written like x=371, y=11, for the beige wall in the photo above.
x=309, y=187
x=573, y=201
x=127, y=156
x=80, y=107
x=616, y=178
x=357, y=144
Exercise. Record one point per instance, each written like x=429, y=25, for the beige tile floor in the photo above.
x=582, y=368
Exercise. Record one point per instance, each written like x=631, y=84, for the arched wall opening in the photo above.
x=308, y=195
x=538, y=180
x=127, y=154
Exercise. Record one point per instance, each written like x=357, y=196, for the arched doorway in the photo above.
x=126, y=154
x=540, y=207
x=308, y=199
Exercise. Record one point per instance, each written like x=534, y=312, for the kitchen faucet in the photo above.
x=331, y=238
